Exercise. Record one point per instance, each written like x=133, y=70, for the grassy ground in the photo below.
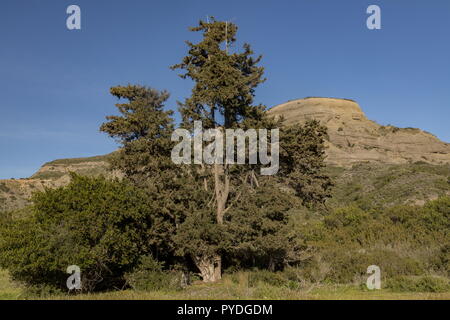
x=229, y=290
x=8, y=290
x=224, y=292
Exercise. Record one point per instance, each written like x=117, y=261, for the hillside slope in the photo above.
x=15, y=193
x=353, y=138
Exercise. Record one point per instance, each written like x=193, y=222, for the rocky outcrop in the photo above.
x=16, y=193
x=353, y=138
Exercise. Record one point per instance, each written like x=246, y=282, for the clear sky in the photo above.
x=54, y=83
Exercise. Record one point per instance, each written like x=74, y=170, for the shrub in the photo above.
x=402, y=240
x=41, y=291
x=418, y=284
x=351, y=265
x=150, y=276
x=299, y=278
x=441, y=262
x=99, y=225
x=275, y=279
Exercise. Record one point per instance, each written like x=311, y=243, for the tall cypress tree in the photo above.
x=222, y=98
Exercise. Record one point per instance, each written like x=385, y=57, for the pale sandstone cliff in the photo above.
x=354, y=138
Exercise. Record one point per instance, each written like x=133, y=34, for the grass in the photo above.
x=78, y=160
x=351, y=100
x=49, y=175
x=221, y=292
x=229, y=289
x=8, y=290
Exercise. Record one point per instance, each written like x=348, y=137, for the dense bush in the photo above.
x=149, y=275
x=402, y=241
x=256, y=228
x=99, y=225
x=373, y=186
x=109, y=229
x=441, y=262
x=418, y=284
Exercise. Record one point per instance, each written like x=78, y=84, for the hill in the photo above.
x=353, y=138
x=380, y=165
x=15, y=193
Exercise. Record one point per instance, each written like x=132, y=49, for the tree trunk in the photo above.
x=210, y=267
x=271, y=266
x=222, y=190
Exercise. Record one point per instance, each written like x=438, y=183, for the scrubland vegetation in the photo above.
x=409, y=243
x=223, y=231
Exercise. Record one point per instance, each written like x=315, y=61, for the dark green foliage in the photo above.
x=402, y=240
x=150, y=275
x=418, y=284
x=441, y=262
x=199, y=234
x=244, y=221
x=302, y=155
x=373, y=186
x=256, y=227
x=102, y=226
x=224, y=81
x=143, y=129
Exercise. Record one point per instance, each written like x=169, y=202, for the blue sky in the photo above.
x=54, y=83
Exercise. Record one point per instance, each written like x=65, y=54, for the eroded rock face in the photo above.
x=16, y=193
x=353, y=138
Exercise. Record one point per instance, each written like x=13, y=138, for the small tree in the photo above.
x=102, y=226
x=143, y=129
